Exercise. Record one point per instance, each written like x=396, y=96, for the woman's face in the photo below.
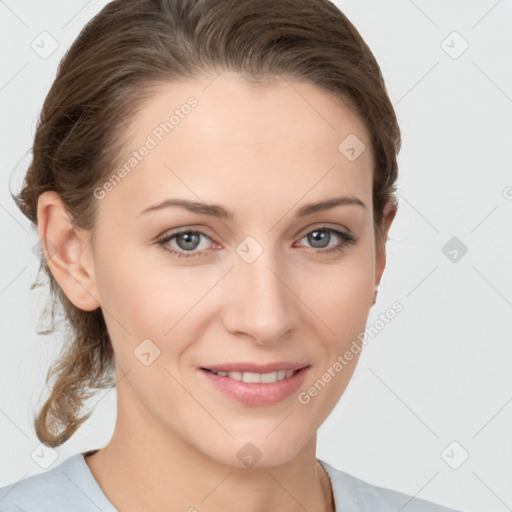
x=269, y=283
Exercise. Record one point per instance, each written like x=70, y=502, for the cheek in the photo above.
x=341, y=294
x=143, y=296
x=340, y=298
x=128, y=297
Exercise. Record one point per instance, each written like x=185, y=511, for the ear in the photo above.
x=67, y=251
x=380, y=263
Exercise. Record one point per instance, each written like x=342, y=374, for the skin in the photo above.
x=263, y=153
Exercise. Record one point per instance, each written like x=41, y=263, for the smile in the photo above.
x=251, y=377
x=255, y=388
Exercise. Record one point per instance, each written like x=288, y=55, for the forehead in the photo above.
x=218, y=136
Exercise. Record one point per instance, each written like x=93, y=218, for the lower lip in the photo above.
x=257, y=393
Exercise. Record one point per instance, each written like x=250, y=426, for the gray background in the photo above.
x=440, y=371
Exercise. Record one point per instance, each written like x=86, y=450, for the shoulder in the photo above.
x=354, y=495
x=67, y=486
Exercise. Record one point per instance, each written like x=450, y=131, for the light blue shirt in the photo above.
x=71, y=487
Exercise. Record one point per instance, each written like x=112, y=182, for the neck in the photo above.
x=161, y=471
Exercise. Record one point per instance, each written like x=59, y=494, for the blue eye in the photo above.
x=322, y=234
x=188, y=240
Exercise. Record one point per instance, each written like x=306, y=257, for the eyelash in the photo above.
x=346, y=240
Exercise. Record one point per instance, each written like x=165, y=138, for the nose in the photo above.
x=262, y=303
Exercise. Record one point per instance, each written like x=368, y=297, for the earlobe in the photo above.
x=66, y=250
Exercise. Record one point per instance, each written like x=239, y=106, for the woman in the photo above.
x=212, y=183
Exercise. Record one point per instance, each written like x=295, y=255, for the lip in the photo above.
x=256, y=368
x=257, y=394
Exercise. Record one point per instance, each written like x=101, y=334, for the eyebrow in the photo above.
x=217, y=211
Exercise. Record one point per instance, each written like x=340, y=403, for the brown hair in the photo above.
x=119, y=57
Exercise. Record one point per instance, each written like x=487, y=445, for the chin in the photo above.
x=257, y=451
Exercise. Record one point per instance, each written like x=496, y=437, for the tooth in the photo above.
x=269, y=377
x=251, y=377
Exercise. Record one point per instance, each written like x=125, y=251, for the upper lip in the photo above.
x=256, y=368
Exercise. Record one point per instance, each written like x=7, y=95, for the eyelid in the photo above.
x=345, y=235
x=203, y=230
x=322, y=225
x=302, y=232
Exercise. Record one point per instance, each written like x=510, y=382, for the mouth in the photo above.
x=256, y=388
x=257, y=373
x=255, y=377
